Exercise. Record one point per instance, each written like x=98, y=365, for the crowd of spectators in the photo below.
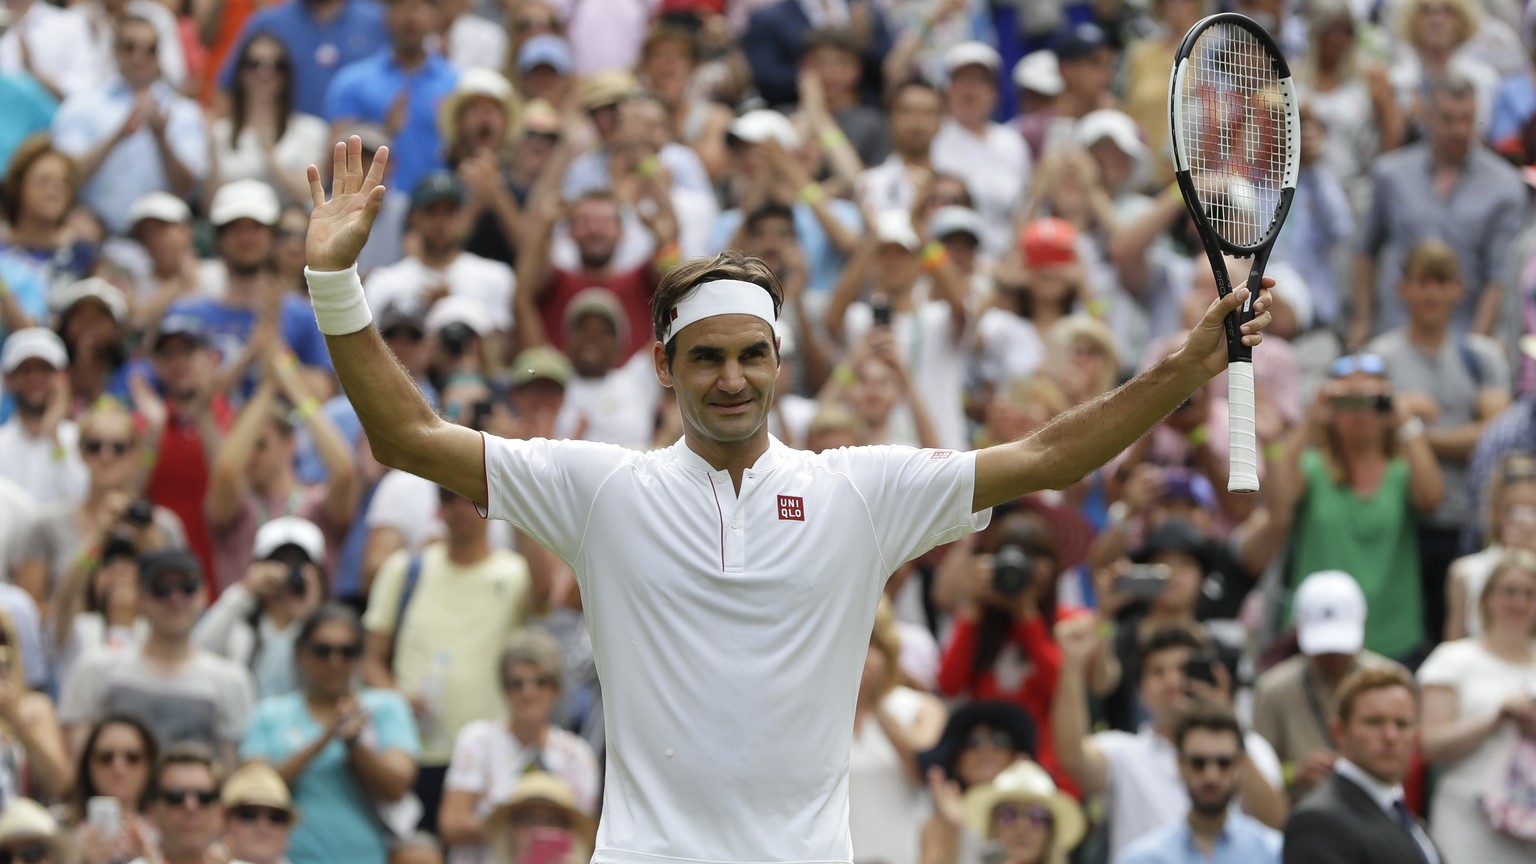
x=228, y=633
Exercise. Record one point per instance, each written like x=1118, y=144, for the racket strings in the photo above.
x=1234, y=132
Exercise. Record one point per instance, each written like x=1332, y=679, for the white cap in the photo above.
x=1117, y=126
x=109, y=295
x=289, y=531
x=956, y=220
x=756, y=127
x=1039, y=71
x=895, y=226
x=459, y=309
x=244, y=199
x=33, y=343
x=1330, y=614
x=158, y=205
x=972, y=54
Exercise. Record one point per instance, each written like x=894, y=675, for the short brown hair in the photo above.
x=189, y=753
x=1214, y=718
x=1367, y=680
x=685, y=277
x=27, y=154
x=1432, y=261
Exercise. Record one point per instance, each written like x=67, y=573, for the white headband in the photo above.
x=722, y=297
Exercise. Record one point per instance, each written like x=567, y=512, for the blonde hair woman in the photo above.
x=1434, y=35
x=1081, y=357
x=1511, y=524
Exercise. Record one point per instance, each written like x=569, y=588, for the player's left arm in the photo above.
x=1091, y=434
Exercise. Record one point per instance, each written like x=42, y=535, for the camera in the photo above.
x=140, y=512
x=1013, y=570
x=480, y=414
x=1201, y=667
x=880, y=308
x=295, y=581
x=455, y=338
x=119, y=545
x=1383, y=403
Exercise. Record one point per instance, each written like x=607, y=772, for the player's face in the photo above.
x=1381, y=733
x=723, y=372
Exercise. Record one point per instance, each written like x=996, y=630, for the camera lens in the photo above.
x=296, y=585
x=1013, y=571
x=455, y=338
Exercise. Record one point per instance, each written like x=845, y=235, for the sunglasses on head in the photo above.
x=513, y=683
x=178, y=797
x=1037, y=815
x=1368, y=364
x=94, y=446
x=1200, y=763
x=992, y=738
x=30, y=853
x=252, y=813
x=130, y=758
x=164, y=589
x=325, y=651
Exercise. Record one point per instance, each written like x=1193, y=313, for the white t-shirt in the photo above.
x=995, y=168
x=1145, y=790
x=305, y=140
x=1009, y=347
x=492, y=283
x=410, y=505
x=1482, y=682
x=16, y=507
x=935, y=359
x=62, y=48
x=474, y=42
x=886, y=810
x=50, y=474
x=730, y=629
x=619, y=408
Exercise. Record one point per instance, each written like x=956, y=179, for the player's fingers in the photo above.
x=316, y=191
x=339, y=167
x=376, y=170
x=1259, y=322
x=1224, y=305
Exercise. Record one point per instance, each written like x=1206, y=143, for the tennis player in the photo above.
x=730, y=582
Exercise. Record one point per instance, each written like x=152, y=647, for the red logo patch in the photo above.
x=791, y=508
x=942, y=454
x=674, y=313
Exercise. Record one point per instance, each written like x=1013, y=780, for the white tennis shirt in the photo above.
x=730, y=631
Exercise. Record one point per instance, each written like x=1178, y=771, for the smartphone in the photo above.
x=1143, y=582
x=104, y=815
x=1201, y=667
x=548, y=846
x=880, y=308
x=1383, y=403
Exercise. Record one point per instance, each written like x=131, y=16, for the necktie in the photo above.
x=1405, y=820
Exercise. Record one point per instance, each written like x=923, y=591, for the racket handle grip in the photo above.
x=1243, y=444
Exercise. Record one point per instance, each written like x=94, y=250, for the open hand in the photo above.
x=339, y=228
x=1206, y=344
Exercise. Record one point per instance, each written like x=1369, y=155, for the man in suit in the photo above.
x=1357, y=815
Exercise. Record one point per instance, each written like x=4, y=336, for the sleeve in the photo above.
x=565, y=475
x=394, y=724
x=71, y=134
x=959, y=656
x=1506, y=221
x=235, y=707
x=189, y=137
x=1495, y=365
x=213, y=630
x=915, y=499
x=466, y=770
x=1445, y=666
x=384, y=598
x=259, y=741
x=81, y=700
x=1264, y=759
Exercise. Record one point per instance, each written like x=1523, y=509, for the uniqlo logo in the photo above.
x=941, y=454
x=791, y=508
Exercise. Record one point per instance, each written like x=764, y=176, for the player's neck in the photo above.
x=734, y=456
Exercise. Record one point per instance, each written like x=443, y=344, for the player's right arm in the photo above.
x=403, y=430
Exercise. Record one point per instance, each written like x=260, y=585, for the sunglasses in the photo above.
x=178, y=797
x=252, y=814
x=164, y=590
x=1200, y=763
x=253, y=63
x=515, y=684
x=1360, y=402
x=1518, y=468
x=30, y=853
x=128, y=46
x=325, y=651
x=94, y=446
x=996, y=738
x=410, y=334
x=1036, y=815
x=106, y=758
x=1368, y=364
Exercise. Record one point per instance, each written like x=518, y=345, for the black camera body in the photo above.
x=1013, y=570
x=455, y=338
x=140, y=512
x=295, y=581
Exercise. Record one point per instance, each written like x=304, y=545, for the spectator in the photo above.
x=770, y=234
x=264, y=138
x=106, y=15
x=607, y=398
x=183, y=694
x=160, y=235
x=29, y=833
x=256, y=621
x=35, y=761
x=1138, y=770
x=1478, y=708
x=1435, y=37
x=491, y=758
x=981, y=740
x=669, y=60
x=186, y=811
x=1086, y=59
x=322, y=38
x=1039, y=282
x=1358, y=814
x=45, y=41
x=92, y=317
x=1320, y=224
x=39, y=445
x=916, y=115
x=1416, y=188
x=477, y=126
x=1511, y=509
x=1453, y=382
x=1295, y=700
x=632, y=126
x=258, y=815
x=399, y=88
x=39, y=247
x=1023, y=813
x=472, y=41
x=892, y=724
x=544, y=67
x=776, y=33
x=117, y=761
x=993, y=160
x=420, y=643
x=1038, y=79
x=540, y=815
x=132, y=135
x=1210, y=745
x=348, y=754
x=889, y=408
x=97, y=607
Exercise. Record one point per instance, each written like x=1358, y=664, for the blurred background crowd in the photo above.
x=228, y=633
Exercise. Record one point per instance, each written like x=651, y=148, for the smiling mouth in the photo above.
x=731, y=406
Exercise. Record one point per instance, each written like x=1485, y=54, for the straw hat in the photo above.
x=25, y=819
x=476, y=83
x=258, y=784
x=536, y=788
x=1025, y=783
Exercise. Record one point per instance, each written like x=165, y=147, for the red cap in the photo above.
x=1048, y=242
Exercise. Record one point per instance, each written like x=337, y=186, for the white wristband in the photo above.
x=1412, y=428
x=337, y=295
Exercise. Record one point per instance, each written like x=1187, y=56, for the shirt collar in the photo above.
x=684, y=455
x=1385, y=796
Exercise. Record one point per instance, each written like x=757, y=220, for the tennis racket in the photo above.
x=1236, y=132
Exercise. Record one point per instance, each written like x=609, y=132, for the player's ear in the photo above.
x=663, y=365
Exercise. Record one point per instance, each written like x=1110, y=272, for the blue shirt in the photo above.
x=1244, y=840
x=27, y=108
x=133, y=167
x=822, y=259
x=366, y=90
x=1513, y=104
x=229, y=329
x=340, y=825
x=317, y=51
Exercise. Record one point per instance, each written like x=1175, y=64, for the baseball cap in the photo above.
x=435, y=187
x=33, y=343
x=947, y=221
x=188, y=327
x=1330, y=614
x=257, y=784
x=161, y=206
x=459, y=309
x=153, y=565
x=1185, y=485
x=94, y=288
x=598, y=301
x=401, y=311
x=540, y=362
x=546, y=49
x=1117, y=126
x=1176, y=536
x=757, y=127
x=895, y=227
x=1080, y=41
x=475, y=82
x=1048, y=242
x=607, y=88
x=244, y=199
x=971, y=54
x=1040, y=72
x=289, y=531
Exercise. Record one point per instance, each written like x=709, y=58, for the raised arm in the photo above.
x=1090, y=435
x=402, y=429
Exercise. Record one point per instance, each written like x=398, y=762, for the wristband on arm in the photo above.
x=337, y=295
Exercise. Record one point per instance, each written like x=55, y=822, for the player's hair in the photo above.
x=533, y=647
x=1366, y=680
x=1513, y=561
x=27, y=154
x=1213, y=718
x=1432, y=261
x=681, y=280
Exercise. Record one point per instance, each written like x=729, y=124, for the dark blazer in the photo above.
x=1340, y=823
